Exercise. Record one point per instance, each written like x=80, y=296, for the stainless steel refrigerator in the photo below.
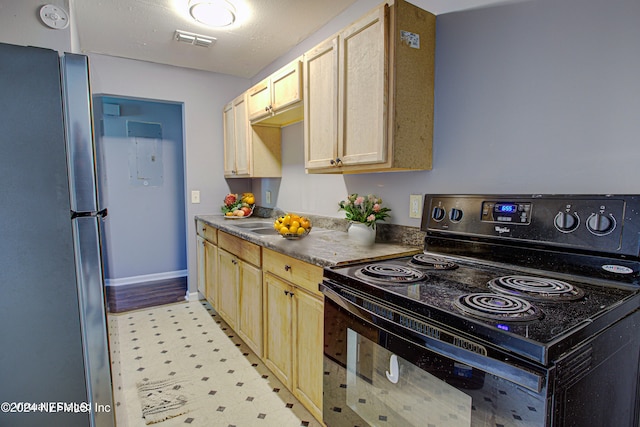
x=54, y=353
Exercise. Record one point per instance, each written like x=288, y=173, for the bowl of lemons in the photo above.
x=292, y=226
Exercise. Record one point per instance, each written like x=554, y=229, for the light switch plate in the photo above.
x=195, y=196
x=415, y=206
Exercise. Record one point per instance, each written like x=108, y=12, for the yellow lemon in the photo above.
x=293, y=229
x=287, y=220
x=295, y=224
x=301, y=231
x=283, y=230
x=277, y=225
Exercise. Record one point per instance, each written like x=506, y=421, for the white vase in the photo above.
x=361, y=234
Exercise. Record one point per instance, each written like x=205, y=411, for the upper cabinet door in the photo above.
x=236, y=138
x=229, y=139
x=321, y=105
x=363, y=90
x=286, y=86
x=259, y=100
x=243, y=157
x=276, y=100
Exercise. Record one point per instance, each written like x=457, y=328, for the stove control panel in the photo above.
x=590, y=222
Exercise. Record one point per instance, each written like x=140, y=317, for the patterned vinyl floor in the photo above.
x=228, y=385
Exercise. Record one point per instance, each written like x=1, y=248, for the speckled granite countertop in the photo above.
x=323, y=246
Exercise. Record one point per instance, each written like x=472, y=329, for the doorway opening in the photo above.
x=141, y=181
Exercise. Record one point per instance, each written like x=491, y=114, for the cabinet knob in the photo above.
x=287, y=268
x=234, y=262
x=338, y=161
x=286, y=292
x=266, y=108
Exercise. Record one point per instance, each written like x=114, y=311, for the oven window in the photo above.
x=375, y=378
x=385, y=388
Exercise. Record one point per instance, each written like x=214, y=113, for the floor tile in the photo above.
x=228, y=384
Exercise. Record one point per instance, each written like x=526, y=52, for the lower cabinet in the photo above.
x=293, y=325
x=229, y=276
x=207, y=239
x=249, y=326
x=239, y=300
x=211, y=273
x=273, y=303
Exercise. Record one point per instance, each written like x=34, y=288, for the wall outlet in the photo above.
x=195, y=196
x=267, y=197
x=415, y=206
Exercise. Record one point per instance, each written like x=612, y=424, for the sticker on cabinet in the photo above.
x=411, y=39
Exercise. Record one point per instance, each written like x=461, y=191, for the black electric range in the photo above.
x=510, y=285
x=537, y=327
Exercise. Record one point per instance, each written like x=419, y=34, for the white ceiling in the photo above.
x=264, y=30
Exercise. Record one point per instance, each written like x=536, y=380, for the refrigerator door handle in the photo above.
x=97, y=214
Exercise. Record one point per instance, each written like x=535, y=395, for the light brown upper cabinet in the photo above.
x=368, y=94
x=277, y=100
x=249, y=151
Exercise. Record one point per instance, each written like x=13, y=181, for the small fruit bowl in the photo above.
x=292, y=226
x=238, y=207
x=297, y=236
x=236, y=213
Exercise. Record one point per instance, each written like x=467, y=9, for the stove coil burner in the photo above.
x=390, y=274
x=536, y=288
x=433, y=262
x=497, y=307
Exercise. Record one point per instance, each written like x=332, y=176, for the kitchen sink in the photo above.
x=267, y=231
x=253, y=224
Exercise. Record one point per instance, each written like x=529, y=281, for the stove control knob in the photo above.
x=600, y=224
x=438, y=213
x=566, y=222
x=455, y=215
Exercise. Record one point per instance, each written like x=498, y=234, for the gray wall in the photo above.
x=539, y=96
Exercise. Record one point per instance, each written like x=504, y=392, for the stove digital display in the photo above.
x=506, y=207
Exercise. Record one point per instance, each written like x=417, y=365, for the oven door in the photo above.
x=377, y=373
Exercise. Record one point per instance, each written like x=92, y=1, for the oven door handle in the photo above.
x=506, y=371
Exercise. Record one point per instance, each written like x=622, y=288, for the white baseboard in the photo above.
x=145, y=278
x=194, y=296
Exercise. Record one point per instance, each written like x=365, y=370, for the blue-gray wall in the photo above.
x=145, y=233
x=539, y=96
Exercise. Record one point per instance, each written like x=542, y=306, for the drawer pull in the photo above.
x=287, y=267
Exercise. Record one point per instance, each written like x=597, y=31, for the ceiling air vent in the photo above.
x=194, y=39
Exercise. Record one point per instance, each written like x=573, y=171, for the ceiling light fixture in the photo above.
x=214, y=13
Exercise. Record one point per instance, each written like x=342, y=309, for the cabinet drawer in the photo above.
x=207, y=232
x=299, y=273
x=241, y=248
